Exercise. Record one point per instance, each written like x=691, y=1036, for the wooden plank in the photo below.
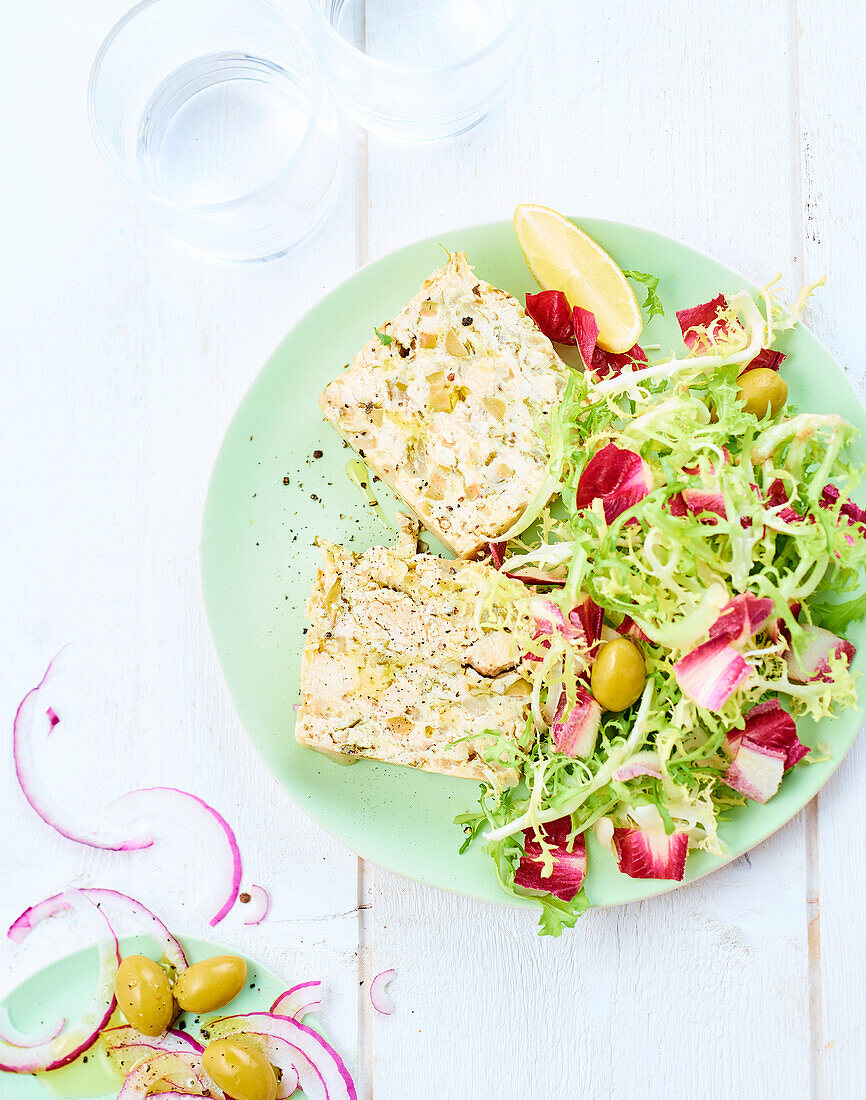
x=644, y=113
x=832, y=108
x=124, y=358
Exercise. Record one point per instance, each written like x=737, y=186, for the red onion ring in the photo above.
x=116, y=903
x=174, y=1041
x=28, y=777
x=261, y=905
x=84, y=1033
x=322, y=1072
x=233, y=868
x=378, y=996
x=10, y=1034
x=162, y=1065
x=296, y=1002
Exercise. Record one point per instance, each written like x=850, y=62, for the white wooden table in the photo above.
x=737, y=127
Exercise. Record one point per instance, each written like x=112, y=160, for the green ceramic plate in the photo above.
x=269, y=497
x=64, y=989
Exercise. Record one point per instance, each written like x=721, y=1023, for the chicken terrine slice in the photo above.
x=408, y=654
x=448, y=406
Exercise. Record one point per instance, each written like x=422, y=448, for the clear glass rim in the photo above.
x=117, y=166
x=420, y=70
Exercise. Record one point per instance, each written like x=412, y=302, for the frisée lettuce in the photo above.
x=710, y=537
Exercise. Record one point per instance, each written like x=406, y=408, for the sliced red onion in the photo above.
x=298, y=1001
x=30, y=710
x=145, y=802
x=109, y=902
x=174, y=1041
x=11, y=1035
x=261, y=905
x=168, y=1065
x=378, y=992
x=125, y=1056
x=67, y=1046
x=323, y=1074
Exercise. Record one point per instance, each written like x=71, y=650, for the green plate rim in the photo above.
x=799, y=793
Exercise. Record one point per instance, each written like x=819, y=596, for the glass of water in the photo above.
x=417, y=70
x=215, y=114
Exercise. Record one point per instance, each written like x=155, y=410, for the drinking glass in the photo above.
x=215, y=114
x=417, y=70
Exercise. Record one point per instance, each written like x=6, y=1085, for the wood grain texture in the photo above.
x=733, y=127
x=832, y=107
x=125, y=355
x=631, y=112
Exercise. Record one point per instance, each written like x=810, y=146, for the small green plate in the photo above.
x=270, y=496
x=64, y=989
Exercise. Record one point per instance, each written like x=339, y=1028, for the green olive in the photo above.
x=209, y=985
x=239, y=1070
x=618, y=675
x=144, y=996
x=762, y=390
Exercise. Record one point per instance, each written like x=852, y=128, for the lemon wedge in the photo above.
x=562, y=257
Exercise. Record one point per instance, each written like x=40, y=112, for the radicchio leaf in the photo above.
x=766, y=357
x=630, y=629
x=585, y=329
x=568, y=867
x=756, y=771
x=618, y=477
x=813, y=663
x=741, y=618
x=852, y=512
x=607, y=364
x=575, y=730
x=651, y=853
x=710, y=674
x=770, y=726
x=590, y=618
x=776, y=497
x=553, y=315
x=703, y=316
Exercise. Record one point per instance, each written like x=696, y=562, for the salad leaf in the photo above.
x=652, y=302
x=719, y=543
x=836, y=616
